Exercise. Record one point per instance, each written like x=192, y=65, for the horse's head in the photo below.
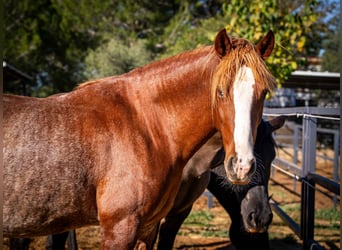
x=240, y=83
x=255, y=209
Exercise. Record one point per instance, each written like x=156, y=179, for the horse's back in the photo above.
x=44, y=168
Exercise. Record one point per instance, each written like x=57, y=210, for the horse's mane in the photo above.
x=243, y=53
x=92, y=82
x=185, y=57
x=223, y=75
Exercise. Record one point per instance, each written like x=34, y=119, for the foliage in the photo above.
x=51, y=39
x=328, y=12
x=331, y=59
x=143, y=19
x=289, y=20
x=185, y=30
x=115, y=57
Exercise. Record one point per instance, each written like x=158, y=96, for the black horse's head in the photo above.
x=248, y=205
x=255, y=208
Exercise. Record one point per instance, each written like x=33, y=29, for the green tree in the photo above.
x=331, y=59
x=291, y=21
x=115, y=57
x=49, y=39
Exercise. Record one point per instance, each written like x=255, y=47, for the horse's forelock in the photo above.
x=243, y=53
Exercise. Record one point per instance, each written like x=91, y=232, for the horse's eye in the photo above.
x=220, y=93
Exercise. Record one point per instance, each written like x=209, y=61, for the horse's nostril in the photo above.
x=235, y=160
x=251, y=217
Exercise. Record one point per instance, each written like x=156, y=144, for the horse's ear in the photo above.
x=223, y=44
x=265, y=46
x=277, y=122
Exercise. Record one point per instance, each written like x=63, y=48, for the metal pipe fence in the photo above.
x=307, y=172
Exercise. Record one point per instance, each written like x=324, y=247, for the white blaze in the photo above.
x=243, y=96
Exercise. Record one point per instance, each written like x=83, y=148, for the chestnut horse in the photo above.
x=112, y=151
x=247, y=205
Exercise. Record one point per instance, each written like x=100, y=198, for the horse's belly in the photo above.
x=42, y=199
x=33, y=211
x=30, y=213
x=47, y=183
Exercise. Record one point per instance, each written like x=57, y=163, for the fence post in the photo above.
x=295, y=153
x=308, y=192
x=295, y=144
x=336, y=156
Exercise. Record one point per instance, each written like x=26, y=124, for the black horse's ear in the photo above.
x=223, y=44
x=265, y=46
x=277, y=122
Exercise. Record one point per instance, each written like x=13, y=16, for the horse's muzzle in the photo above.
x=239, y=174
x=258, y=223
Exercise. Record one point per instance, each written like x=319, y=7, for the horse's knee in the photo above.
x=140, y=245
x=121, y=234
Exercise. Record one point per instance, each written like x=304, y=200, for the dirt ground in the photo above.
x=281, y=236
x=88, y=237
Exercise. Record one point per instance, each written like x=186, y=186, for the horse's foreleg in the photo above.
x=169, y=229
x=148, y=240
x=140, y=245
x=153, y=237
x=72, y=242
x=19, y=243
x=56, y=241
x=119, y=234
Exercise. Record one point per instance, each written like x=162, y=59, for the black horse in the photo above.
x=248, y=206
x=250, y=201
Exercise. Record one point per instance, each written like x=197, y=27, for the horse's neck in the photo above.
x=180, y=94
x=169, y=99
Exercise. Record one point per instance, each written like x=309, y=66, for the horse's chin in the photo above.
x=232, y=176
x=239, y=182
x=256, y=230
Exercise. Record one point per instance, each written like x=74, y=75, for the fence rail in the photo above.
x=307, y=173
